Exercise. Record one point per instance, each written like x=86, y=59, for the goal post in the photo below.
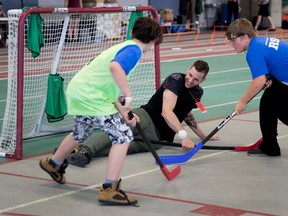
x=97, y=29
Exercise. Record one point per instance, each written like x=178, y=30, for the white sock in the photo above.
x=58, y=163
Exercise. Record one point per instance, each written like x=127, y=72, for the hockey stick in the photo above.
x=231, y=148
x=172, y=159
x=169, y=175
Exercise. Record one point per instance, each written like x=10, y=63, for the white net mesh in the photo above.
x=97, y=32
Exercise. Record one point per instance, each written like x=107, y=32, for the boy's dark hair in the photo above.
x=146, y=30
x=201, y=66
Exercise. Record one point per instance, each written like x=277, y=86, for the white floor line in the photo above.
x=228, y=71
x=225, y=84
x=191, y=58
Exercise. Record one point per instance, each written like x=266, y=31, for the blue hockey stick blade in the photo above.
x=175, y=159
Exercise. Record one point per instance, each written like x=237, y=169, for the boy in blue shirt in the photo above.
x=267, y=57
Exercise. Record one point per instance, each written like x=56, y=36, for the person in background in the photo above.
x=233, y=9
x=3, y=27
x=2, y=13
x=92, y=97
x=264, y=12
x=268, y=62
x=73, y=29
x=198, y=11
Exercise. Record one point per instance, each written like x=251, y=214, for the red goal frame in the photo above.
x=18, y=153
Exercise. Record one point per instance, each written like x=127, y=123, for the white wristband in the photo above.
x=128, y=99
x=182, y=134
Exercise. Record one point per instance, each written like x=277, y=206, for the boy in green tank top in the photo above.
x=92, y=97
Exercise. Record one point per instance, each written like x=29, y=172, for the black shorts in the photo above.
x=264, y=10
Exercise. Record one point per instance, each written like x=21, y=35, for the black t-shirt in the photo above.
x=185, y=103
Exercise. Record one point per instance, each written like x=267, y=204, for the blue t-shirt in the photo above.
x=127, y=57
x=268, y=56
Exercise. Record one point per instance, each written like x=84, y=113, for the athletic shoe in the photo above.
x=111, y=194
x=56, y=172
x=78, y=157
x=272, y=29
x=256, y=152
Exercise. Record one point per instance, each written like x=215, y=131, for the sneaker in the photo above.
x=256, y=152
x=56, y=172
x=78, y=157
x=113, y=195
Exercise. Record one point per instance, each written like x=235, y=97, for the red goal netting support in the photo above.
x=98, y=29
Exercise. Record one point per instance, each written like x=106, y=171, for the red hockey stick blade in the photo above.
x=170, y=174
x=247, y=148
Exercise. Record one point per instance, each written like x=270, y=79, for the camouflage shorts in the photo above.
x=113, y=125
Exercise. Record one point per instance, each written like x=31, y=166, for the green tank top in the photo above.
x=93, y=91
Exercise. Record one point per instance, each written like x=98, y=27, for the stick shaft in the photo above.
x=169, y=175
x=152, y=150
x=231, y=148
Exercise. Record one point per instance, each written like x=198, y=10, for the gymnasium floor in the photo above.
x=214, y=183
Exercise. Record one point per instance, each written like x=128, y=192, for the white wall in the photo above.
x=60, y=3
x=133, y=2
x=51, y=3
x=276, y=12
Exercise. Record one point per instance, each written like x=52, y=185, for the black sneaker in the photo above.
x=56, y=172
x=79, y=157
x=256, y=152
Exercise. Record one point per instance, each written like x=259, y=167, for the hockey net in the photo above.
x=99, y=29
